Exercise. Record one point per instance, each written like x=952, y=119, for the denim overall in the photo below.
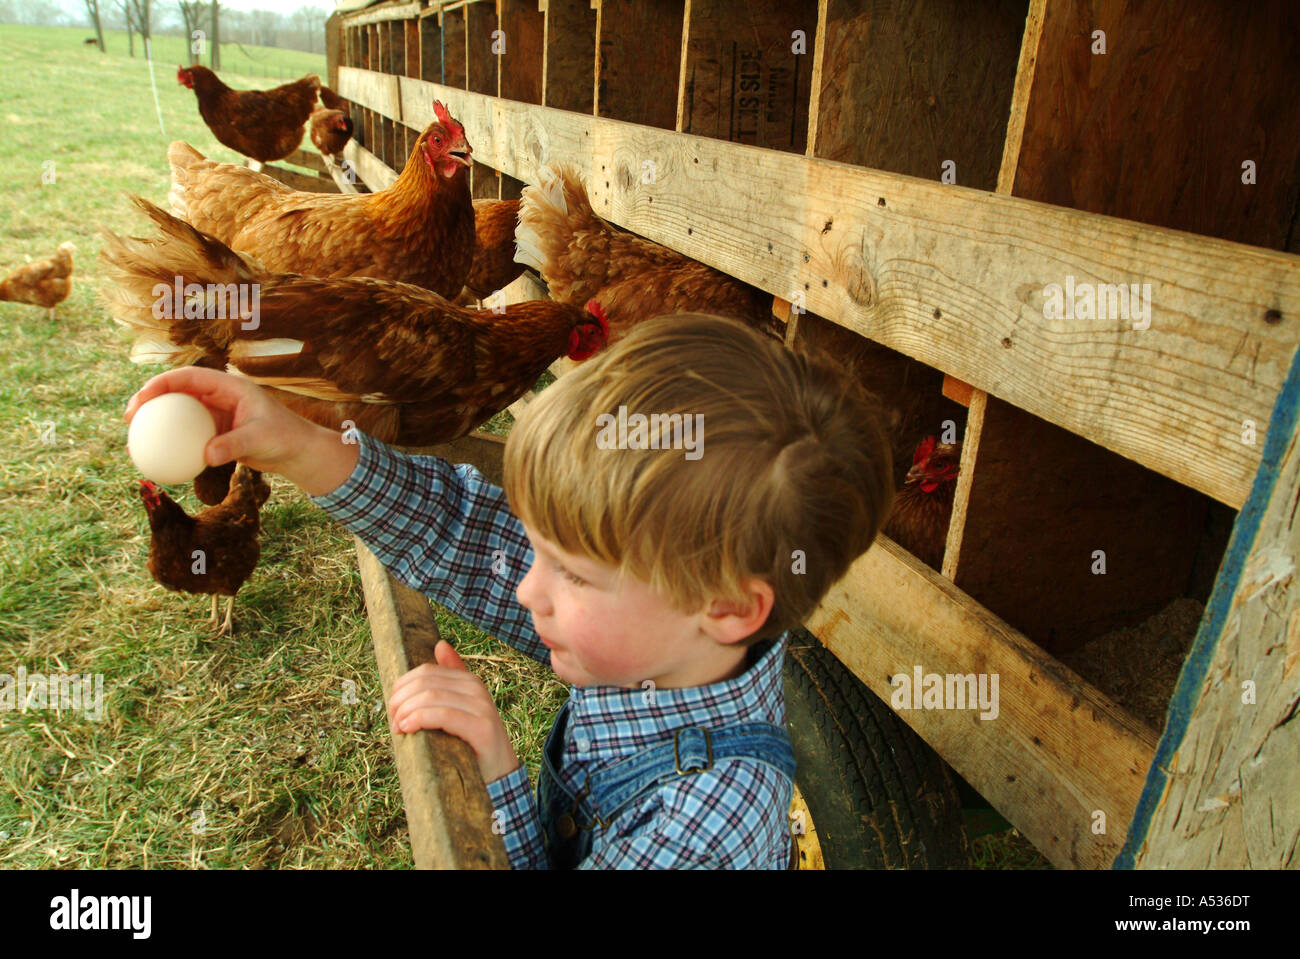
x=569, y=822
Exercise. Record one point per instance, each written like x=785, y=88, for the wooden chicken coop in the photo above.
x=1070, y=227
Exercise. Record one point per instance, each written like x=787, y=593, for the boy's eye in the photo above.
x=576, y=580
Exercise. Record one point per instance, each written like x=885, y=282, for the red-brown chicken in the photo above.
x=581, y=257
x=331, y=100
x=330, y=130
x=44, y=283
x=263, y=124
x=397, y=361
x=212, y=553
x=212, y=485
x=420, y=230
x=494, y=249
x=923, y=506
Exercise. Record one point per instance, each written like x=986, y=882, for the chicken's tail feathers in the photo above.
x=550, y=215
x=248, y=483
x=179, y=293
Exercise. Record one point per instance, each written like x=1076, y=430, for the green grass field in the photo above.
x=237, y=752
x=229, y=753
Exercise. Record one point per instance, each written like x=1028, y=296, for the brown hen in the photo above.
x=581, y=257
x=420, y=230
x=394, y=360
x=212, y=553
x=330, y=130
x=923, y=506
x=263, y=124
x=44, y=283
x=494, y=250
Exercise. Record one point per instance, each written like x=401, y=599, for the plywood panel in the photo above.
x=570, y=66
x=743, y=81
x=908, y=86
x=1157, y=128
x=523, y=26
x=640, y=44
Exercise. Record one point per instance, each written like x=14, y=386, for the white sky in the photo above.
x=279, y=6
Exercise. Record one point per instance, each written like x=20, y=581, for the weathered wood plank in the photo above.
x=345, y=178
x=955, y=278
x=1224, y=789
x=380, y=92
x=741, y=77
x=453, y=47
x=447, y=806
x=1058, y=750
x=395, y=12
x=482, y=64
x=294, y=179
x=311, y=159
x=369, y=167
x=523, y=29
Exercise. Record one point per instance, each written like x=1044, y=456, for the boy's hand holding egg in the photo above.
x=211, y=418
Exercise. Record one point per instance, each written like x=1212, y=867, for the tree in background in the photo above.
x=143, y=10
x=192, y=15
x=137, y=14
x=92, y=10
x=216, y=39
x=303, y=29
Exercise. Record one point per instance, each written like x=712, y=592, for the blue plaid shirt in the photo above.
x=446, y=531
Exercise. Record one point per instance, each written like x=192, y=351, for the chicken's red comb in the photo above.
x=443, y=116
x=598, y=311
x=924, y=449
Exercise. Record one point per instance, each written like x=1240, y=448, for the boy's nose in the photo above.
x=531, y=597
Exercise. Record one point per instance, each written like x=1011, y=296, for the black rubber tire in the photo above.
x=879, y=797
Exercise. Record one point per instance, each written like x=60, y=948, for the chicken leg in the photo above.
x=226, y=626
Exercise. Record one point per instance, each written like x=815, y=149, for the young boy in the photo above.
x=671, y=509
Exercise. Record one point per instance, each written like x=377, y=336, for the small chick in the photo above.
x=212, y=553
x=43, y=283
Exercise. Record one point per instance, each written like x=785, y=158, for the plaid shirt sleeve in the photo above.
x=515, y=816
x=443, y=530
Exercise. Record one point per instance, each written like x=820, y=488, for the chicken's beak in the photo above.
x=461, y=151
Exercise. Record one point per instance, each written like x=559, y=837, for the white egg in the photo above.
x=167, y=438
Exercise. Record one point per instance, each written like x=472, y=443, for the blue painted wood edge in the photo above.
x=1281, y=428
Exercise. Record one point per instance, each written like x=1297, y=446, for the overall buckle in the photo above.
x=708, y=745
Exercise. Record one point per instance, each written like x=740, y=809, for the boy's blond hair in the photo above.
x=794, y=458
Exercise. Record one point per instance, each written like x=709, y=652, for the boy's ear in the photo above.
x=729, y=622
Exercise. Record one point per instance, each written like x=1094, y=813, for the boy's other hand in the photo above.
x=449, y=697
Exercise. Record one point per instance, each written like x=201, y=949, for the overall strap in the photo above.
x=691, y=750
